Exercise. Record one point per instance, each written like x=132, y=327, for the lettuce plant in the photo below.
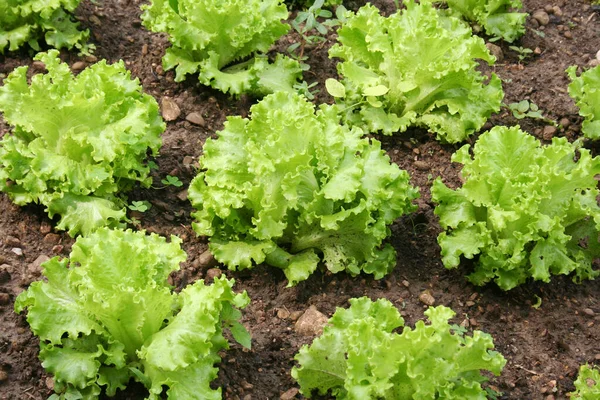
x=225, y=42
x=107, y=315
x=585, y=90
x=527, y=210
x=497, y=17
x=78, y=143
x=359, y=356
x=413, y=68
x=25, y=21
x=288, y=187
x=587, y=385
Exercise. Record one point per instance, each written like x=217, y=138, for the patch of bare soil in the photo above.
x=544, y=346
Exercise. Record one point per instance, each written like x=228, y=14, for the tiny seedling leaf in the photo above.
x=335, y=88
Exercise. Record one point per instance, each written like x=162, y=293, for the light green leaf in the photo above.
x=335, y=88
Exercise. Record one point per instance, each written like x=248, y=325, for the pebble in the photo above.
x=95, y=20
x=196, y=119
x=588, y=312
x=283, y=313
x=496, y=51
x=3, y=376
x=12, y=241
x=144, y=49
x=45, y=228
x=422, y=165
x=541, y=17
x=564, y=122
x=170, y=110
x=548, y=132
x=39, y=66
x=311, y=323
x=246, y=385
x=290, y=394
x=78, y=66
x=568, y=34
x=205, y=260
x=405, y=283
x=598, y=55
x=52, y=238
x=426, y=298
x=213, y=273
x=36, y=265
x=183, y=195
x=248, y=397
x=91, y=58
x=50, y=383
x=17, y=250
x=556, y=10
x=294, y=315
x=4, y=299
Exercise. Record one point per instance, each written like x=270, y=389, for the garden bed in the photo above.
x=544, y=346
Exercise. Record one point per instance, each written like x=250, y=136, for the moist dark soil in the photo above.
x=544, y=346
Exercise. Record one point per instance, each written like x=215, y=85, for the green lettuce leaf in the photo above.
x=526, y=210
x=107, y=315
x=27, y=21
x=225, y=43
x=78, y=143
x=414, y=68
x=359, y=356
x=497, y=17
x=290, y=187
x=587, y=385
x=585, y=90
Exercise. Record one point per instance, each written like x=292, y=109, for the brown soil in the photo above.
x=544, y=346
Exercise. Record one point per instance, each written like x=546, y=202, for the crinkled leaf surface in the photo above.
x=427, y=61
x=587, y=385
x=289, y=187
x=499, y=18
x=224, y=41
x=26, y=21
x=78, y=143
x=527, y=210
x=585, y=90
x=359, y=356
x=108, y=315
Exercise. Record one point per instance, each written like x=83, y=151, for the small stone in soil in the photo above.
x=170, y=110
x=205, y=260
x=496, y=51
x=290, y=394
x=36, y=265
x=45, y=228
x=183, y=195
x=78, y=66
x=588, y=311
x=541, y=17
x=311, y=323
x=213, y=273
x=12, y=241
x=422, y=165
x=4, y=298
x=282, y=313
x=52, y=238
x=196, y=119
x=3, y=376
x=17, y=250
x=548, y=132
x=426, y=298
